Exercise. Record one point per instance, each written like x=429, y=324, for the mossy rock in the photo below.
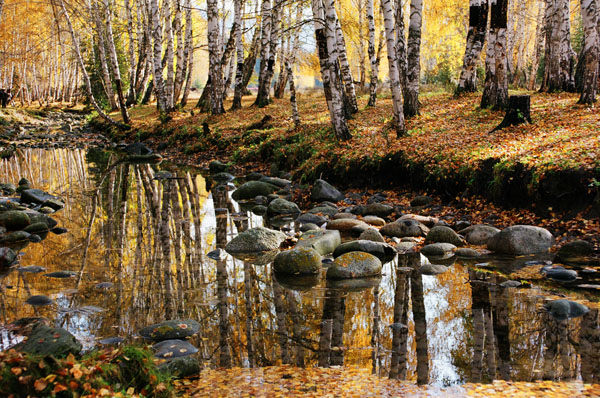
x=46, y=341
x=324, y=242
x=173, y=329
x=354, y=265
x=300, y=260
x=252, y=189
x=14, y=220
x=180, y=367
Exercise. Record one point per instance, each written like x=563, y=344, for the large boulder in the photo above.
x=441, y=234
x=252, y=189
x=348, y=225
x=521, y=239
x=168, y=330
x=255, y=240
x=323, y=191
x=383, y=251
x=14, y=220
x=354, y=265
x=403, y=228
x=479, y=234
x=280, y=207
x=36, y=196
x=565, y=309
x=46, y=341
x=300, y=260
x=324, y=242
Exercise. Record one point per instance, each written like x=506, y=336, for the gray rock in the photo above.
x=405, y=247
x=310, y=218
x=7, y=257
x=521, y=239
x=300, y=260
x=217, y=166
x=308, y=227
x=438, y=249
x=479, y=234
x=383, y=251
x=511, y=284
x=8, y=188
x=254, y=176
x=425, y=220
x=255, y=240
x=404, y=228
x=377, y=209
x=354, y=265
x=54, y=204
x=339, y=216
x=440, y=234
x=326, y=210
x=322, y=190
x=558, y=273
x=324, y=242
x=14, y=220
x=348, y=225
x=115, y=340
x=32, y=269
x=180, y=367
x=223, y=177
x=374, y=220
x=468, y=253
x=565, y=309
x=433, y=269
x=280, y=207
x=15, y=237
x=173, y=329
x=36, y=196
x=173, y=348
x=280, y=182
x=45, y=341
x=259, y=210
x=37, y=227
x=574, y=250
x=61, y=274
x=252, y=189
x=421, y=201
x=371, y=234
x=217, y=254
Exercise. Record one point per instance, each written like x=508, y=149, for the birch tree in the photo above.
x=372, y=54
x=344, y=64
x=157, y=80
x=478, y=15
x=590, y=52
x=215, y=65
x=262, y=97
x=413, y=72
x=495, y=92
x=239, y=54
x=558, y=65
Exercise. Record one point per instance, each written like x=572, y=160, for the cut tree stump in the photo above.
x=518, y=112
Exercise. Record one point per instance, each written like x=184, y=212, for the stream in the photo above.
x=138, y=246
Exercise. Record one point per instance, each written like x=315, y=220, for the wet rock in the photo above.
x=217, y=254
x=558, y=273
x=441, y=234
x=61, y=274
x=339, y=216
x=348, y=225
x=511, y=284
x=58, y=230
x=37, y=217
x=279, y=207
x=383, y=251
x=438, y=249
x=217, y=166
x=116, y=340
x=355, y=284
x=180, y=367
x=259, y=210
x=433, y=269
x=255, y=240
x=39, y=300
x=404, y=228
x=575, y=250
x=300, y=260
x=15, y=237
x=54, y=204
x=354, y=265
x=308, y=227
x=467, y=253
x=137, y=148
x=14, y=220
x=405, y=247
x=323, y=191
x=565, y=309
x=173, y=348
x=324, y=242
x=374, y=220
x=47, y=341
x=35, y=196
x=104, y=285
x=168, y=330
x=371, y=234
x=32, y=269
x=24, y=326
x=425, y=220
x=36, y=227
x=223, y=177
x=326, y=210
x=254, y=176
x=421, y=201
x=252, y=189
x=280, y=182
x=461, y=225
x=378, y=210
x=7, y=257
x=8, y=188
x=479, y=234
x=257, y=258
x=521, y=239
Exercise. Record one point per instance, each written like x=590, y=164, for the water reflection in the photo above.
x=148, y=234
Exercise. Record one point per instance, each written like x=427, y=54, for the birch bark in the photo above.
x=413, y=73
x=478, y=15
x=590, y=36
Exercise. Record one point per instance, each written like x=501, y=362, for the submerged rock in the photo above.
x=565, y=309
x=173, y=329
x=383, y=251
x=354, y=265
x=521, y=239
x=324, y=242
x=300, y=260
x=323, y=191
x=46, y=341
x=255, y=240
x=173, y=348
x=442, y=234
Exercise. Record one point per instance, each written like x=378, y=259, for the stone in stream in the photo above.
x=324, y=242
x=180, y=367
x=39, y=300
x=467, y=253
x=7, y=257
x=14, y=220
x=217, y=254
x=279, y=207
x=58, y=230
x=441, y=234
x=36, y=227
x=565, y=309
x=54, y=204
x=104, y=285
x=405, y=247
x=521, y=239
x=8, y=188
x=354, y=265
x=223, y=177
x=339, y=216
x=115, y=340
x=257, y=258
x=24, y=326
x=252, y=189
x=259, y=210
x=255, y=240
x=371, y=234
x=300, y=260
x=35, y=196
x=404, y=228
x=558, y=273
x=378, y=210
x=137, y=148
x=425, y=220
x=32, y=269
x=348, y=225
x=433, y=269
x=478, y=234
x=421, y=201
x=173, y=348
x=168, y=330
x=46, y=341
x=308, y=227
x=254, y=176
x=438, y=249
x=383, y=251
x=325, y=210
x=511, y=284
x=575, y=251
x=216, y=166
x=15, y=237
x=374, y=220
x=300, y=283
x=323, y=191
x=280, y=182
x=61, y=274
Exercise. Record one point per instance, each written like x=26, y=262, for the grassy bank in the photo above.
x=554, y=161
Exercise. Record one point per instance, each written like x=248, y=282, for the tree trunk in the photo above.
x=107, y=82
x=188, y=53
x=590, y=57
x=478, y=15
x=345, y=66
x=362, y=68
x=539, y=45
x=372, y=55
x=295, y=115
x=495, y=93
x=262, y=97
x=158, y=81
x=181, y=63
x=388, y=18
x=169, y=55
x=518, y=112
x=239, y=54
x=413, y=73
x=215, y=65
x=558, y=70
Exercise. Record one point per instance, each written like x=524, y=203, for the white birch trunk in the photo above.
x=295, y=115
x=413, y=72
x=188, y=52
x=158, y=81
x=181, y=43
x=372, y=55
x=539, y=45
x=345, y=66
x=478, y=13
x=495, y=93
x=558, y=72
x=590, y=35
x=239, y=54
x=107, y=82
x=265, y=39
x=169, y=55
x=215, y=66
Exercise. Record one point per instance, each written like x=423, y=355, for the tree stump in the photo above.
x=518, y=112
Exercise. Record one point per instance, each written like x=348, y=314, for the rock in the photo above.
x=173, y=348
x=433, y=269
x=257, y=258
x=374, y=220
x=254, y=176
x=405, y=247
x=24, y=326
x=61, y=274
x=371, y=234
x=299, y=283
x=461, y=225
x=8, y=188
x=280, y=182
x=340, y=216
x=354, y=285
x=15, y=237
x=58, y=230
x=217, y=166
x=115, y=340
x=479, y=234
x=323, y=191
x=35, y=196
x=255, y=240
x=37, y=227
x=558, y=273
x=378, y=210
x=574, y=250
x=438, y=249
x=348, y=225
x=39, y=300
x=31, y=269
x=425, y=220
x=468, y=253
x=511, y=284
x=354, y=265
x=324, y=242
x=259, y=210
x=7, y=257
x=223, y=177
x=309, y=218
x=421, y=201
x=54, y=204
x=300, y=260
x=37, y=217
x=404, y=228
x=104, y=285
x=14, y=220
x=168, y=330
x=565, y=309
x=46, y=341
x=180, y=367
x=252, y=189
x=521, y=239
x=217, y=254
x=440, y=234
x=326, y=210
x=137, y=148
x=24, y=181
x=280, y=207
x=383, y=251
